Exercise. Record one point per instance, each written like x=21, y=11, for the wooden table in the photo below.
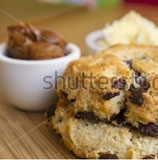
x=25, y=134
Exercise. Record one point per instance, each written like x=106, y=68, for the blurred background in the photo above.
x=72, y=18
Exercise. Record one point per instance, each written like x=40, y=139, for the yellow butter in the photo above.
x=132, y=28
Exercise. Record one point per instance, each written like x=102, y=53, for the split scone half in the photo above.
x=100, y=140
x=108, y=104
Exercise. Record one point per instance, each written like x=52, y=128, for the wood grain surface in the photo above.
x=25, y=134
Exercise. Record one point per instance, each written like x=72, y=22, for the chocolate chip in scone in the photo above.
x=139, y=79
x=119, y=118
x=133, y=88
x=145, y=86
x=113, y=117
x=72, y=100
x=51, y=112
x=59, y=120
x=137, y=98
x=108, y=156
x=129, y=63
x=142, y=81
x=119, y=84
x=110, y=95
x=138, y=76
x=64, y=94
x=149, y=157
x=137, y=73
x=87, y=115
x=149, y=129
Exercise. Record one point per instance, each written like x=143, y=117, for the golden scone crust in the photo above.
x=123, y=87
x=100, y=140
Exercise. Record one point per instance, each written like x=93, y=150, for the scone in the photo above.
x=118, y=85
x=96, y=139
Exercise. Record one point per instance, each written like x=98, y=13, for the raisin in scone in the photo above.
x=96, y=139
x=118, y=85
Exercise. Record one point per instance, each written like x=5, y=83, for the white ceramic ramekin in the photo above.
x=30, y=85
x=92, y=42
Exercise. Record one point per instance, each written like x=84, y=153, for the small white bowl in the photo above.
x=24, y=82
x=91, y=42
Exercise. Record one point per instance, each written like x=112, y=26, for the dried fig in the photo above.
x=26, y=30
x=51, y=37
x=18, y=46
x=43, y=50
